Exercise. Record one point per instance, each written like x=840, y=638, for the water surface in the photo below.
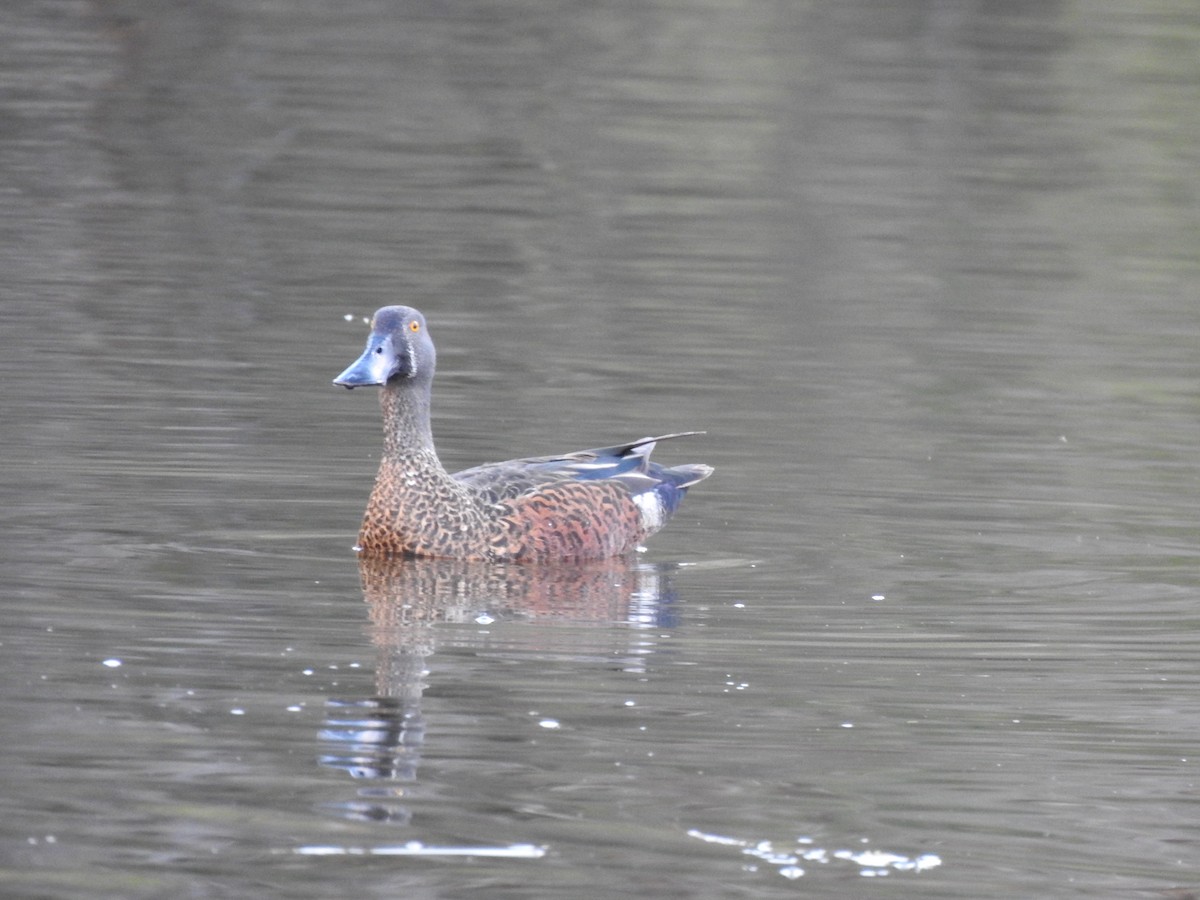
x=926, y=275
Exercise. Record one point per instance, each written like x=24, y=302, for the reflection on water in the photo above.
x=406, y=597
x=377, y=738
x=380, y=738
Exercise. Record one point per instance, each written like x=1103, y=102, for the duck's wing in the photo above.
x=628, y=464
x=584, y=505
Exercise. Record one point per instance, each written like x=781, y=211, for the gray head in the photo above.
x=398, y=347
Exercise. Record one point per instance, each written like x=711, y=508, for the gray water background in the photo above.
x=927, y=274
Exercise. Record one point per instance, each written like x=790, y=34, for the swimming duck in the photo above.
x=589, y=504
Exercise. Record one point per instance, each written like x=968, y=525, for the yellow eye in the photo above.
x=414, y=326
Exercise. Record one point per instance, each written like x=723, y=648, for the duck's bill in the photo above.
x=372, y=368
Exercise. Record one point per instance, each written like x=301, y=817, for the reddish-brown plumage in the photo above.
x=589, y=504
x=576, y=520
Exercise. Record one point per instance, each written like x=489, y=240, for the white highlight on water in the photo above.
x=871, y=863
x=416, y=848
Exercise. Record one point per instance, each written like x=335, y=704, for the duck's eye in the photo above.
x=414, y=326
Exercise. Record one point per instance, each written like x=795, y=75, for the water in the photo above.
x=926, y=275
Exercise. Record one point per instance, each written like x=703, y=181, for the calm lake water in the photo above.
x=926, y=273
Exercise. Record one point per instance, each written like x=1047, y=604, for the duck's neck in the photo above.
x=407, y=433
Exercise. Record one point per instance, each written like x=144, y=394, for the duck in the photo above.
x=583, y=505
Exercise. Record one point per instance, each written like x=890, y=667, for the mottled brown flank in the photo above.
x=416, y=509
x=573, y=520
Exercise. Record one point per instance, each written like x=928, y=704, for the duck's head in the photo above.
x=398, y=347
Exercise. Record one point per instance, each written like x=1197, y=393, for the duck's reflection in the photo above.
x=380, y=738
